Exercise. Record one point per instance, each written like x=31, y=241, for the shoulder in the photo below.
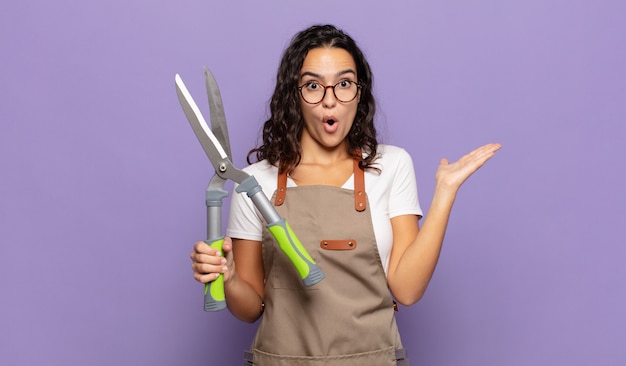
x=392, y=151
x=392, y=157
x=265, y=174
x=393, y=163
x=261, y=168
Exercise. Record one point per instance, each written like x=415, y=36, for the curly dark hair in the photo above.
x=283, y=130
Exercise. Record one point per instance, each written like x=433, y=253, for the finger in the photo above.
x=205, y=268
x=477, y=161
x=482, y=153
x=480, y=160
x=209, y=259
x=204, y=248
x=205, y=278
x=486, y=148
x=474, y=160
x=487, y=151
x=230, y=259
x=227, y=246
x=476, y=153
x=489, y=148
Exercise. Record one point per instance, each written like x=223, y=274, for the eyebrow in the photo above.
x=340, y=73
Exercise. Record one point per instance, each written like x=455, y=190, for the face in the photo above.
x=327, y=123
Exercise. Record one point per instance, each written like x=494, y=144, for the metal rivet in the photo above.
x=360, y=204
x=360, y=193
x=351, y=244
x=325, y=243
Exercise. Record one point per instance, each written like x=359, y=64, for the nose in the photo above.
x=329, y=99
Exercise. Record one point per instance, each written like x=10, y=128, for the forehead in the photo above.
x=328, y=61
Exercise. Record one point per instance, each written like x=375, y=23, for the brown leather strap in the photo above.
x=347, y=244
x=281, y=190
x=359, y=187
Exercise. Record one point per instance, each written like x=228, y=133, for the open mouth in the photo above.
x=330, y=121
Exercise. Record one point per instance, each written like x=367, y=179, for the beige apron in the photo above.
x=347, y=318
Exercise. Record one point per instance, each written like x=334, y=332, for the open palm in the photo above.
x=452, y=175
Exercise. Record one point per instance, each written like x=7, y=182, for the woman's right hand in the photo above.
x=207, y=263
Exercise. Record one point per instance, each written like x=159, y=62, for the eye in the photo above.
x=312, y=85
x=344, y=84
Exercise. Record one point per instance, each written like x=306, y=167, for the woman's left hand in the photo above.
x=452, y=175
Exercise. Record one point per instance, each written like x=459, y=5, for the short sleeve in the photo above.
x=244, y=220
x=403, y=197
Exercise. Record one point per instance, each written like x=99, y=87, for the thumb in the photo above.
x=227, y=249
x=227, y=246
x=227, y=252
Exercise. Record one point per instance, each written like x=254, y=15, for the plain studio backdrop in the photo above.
x=102, y=180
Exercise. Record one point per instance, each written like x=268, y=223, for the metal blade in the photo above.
x=209, y=142
x=218, y=117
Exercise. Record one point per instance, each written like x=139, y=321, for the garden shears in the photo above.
x=216, y=145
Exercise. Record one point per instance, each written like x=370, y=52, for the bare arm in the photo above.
x=415, y=252
x=243, y=284
x=245, y=288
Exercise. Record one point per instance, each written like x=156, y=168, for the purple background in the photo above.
x=102, y=181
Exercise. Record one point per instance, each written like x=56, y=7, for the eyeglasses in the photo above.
x=345, y=91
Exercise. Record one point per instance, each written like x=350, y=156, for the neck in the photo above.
x=317, y=154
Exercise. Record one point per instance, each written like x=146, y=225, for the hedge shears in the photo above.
x=216, y=145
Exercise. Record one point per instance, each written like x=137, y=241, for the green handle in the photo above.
x=288, y=242
x=214, y=299
x=309, y=272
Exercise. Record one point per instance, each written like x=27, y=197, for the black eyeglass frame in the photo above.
x=358, y=87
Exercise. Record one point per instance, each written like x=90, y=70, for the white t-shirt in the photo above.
x=391, y=193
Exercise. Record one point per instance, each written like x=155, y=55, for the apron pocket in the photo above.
x=382, y=357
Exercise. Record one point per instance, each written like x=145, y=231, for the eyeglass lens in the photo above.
x=345, y=91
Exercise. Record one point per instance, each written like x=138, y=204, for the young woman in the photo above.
x=353, y=204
